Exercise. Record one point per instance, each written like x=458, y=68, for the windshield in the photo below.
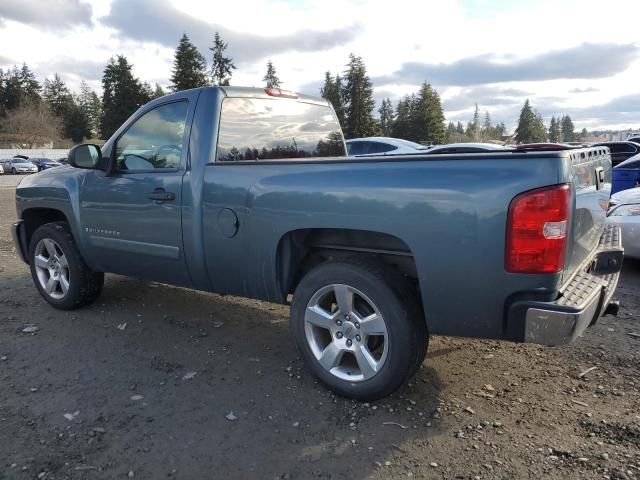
x=20, y=160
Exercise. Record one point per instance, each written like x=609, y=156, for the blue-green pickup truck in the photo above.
x=248, y=192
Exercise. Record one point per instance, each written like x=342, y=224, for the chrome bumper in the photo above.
x=584, y=299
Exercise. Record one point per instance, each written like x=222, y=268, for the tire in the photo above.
x=55, y=261
x=390, y=355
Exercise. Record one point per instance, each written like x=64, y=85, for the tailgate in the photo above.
x=591, y=177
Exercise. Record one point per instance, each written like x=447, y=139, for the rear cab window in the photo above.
x=257, y=129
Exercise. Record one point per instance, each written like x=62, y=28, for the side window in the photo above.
x=379, y=147
x=613, y=148
x=154, y=141
x=626, y=148
x=355, y=148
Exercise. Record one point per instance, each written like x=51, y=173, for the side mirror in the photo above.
x=85, y=156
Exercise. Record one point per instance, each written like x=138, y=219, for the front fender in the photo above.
x=55, y=189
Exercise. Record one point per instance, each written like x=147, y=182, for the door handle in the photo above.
x=160, y=195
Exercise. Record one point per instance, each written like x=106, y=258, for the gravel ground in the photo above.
x=161, y=382
x=8, y=180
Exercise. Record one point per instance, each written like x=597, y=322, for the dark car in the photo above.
x=44, y=163
x=626, y=175
x=620, y=151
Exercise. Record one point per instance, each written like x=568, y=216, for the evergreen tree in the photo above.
x=402, y=124
x=57, y=96
x=460, y=129
x=584, y=133
x=2, y=93
x=358, y=94
x=158, y=92
x=122, y=95
x=29, y=84
x=221, y=66
x=452, y=133
x=189, y=67
x=427, y=118
x=332, y=91
x=341, y=112
x=487, y=128
x=91, y=106
x=386, y=117
x=19, y=87
x=76, y=124
x=500, y=130
x=540, y=131
x=568, y=130
x=531, y=127
x=271, y=78
x=552, y=127
x=474, y=128
x=147, y=92
x=75, y=120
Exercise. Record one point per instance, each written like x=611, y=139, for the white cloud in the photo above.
x=305, y=39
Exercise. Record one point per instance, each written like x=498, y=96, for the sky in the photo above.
x=580, y=58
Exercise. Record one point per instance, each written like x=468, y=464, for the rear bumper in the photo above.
x=20, y=239
x=581, y=302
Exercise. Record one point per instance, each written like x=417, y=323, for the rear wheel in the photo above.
x=58, y=270
x=358, y=327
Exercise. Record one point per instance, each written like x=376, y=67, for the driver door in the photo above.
x=131, y=219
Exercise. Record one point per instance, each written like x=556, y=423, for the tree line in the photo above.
x=531, y=128
x=418, y=117
x=52, y=111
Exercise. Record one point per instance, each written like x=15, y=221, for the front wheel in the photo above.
x=58, y=270
x=359, y=328
x=13, y=171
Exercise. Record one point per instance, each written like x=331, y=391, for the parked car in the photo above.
x=44, y=163
x=466, y=148
x=377, y=253
x=19, y=165
x=358, y=147
x=1, y=169
x=620, y=151
x=626, y=174
x=624, y=212
x=634, y=139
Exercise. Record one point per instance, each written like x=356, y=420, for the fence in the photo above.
x=51, y=153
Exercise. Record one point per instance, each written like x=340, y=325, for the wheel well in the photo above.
x=35, y=217
x=301, y=250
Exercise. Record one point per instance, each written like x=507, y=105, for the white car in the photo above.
x=360, y=147
x=1, y=169
x=624, y=211
x=19, y=165
x=467, y=148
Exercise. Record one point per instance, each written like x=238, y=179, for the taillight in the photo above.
x=537, y=230
x=277, y=92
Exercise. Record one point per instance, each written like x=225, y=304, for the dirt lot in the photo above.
x=143, y=383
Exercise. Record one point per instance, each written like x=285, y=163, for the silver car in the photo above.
x=19, y=165
x=467, y=148
x=1, y=169
x=624, y=211
x=362, y=147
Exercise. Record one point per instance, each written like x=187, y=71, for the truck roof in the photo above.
x=254, y=92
